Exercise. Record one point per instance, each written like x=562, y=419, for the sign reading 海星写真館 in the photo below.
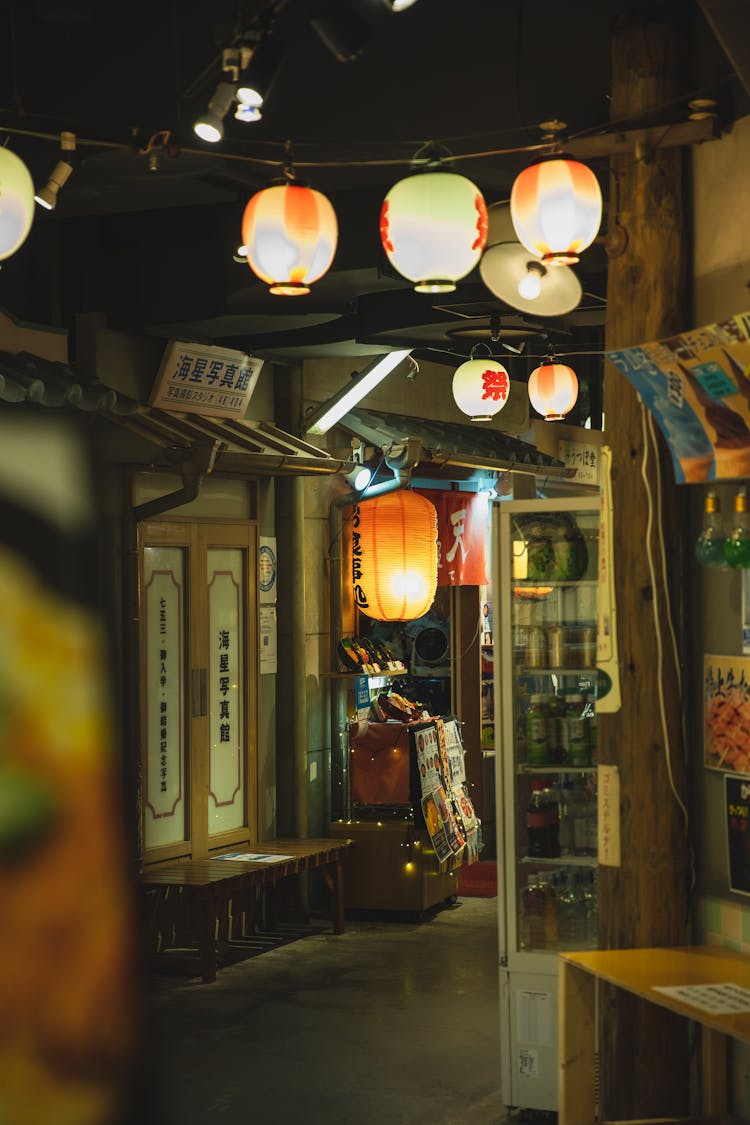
x=204, y=379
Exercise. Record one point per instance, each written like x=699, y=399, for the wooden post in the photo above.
x=643, y=902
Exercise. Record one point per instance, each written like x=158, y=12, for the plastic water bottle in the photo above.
x=571, y=914
x=538, y=914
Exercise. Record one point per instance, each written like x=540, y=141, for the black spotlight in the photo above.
x=344, y=32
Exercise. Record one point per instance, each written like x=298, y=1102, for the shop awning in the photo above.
x=453, y=444
x=160, y=438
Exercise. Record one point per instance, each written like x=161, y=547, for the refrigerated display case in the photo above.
x=545, y=566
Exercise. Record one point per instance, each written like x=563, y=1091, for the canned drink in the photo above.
x=555, y=646
x=587, y=647
x=536, y=648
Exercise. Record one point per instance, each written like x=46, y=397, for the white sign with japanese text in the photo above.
x=582, y=457
x=204, y=379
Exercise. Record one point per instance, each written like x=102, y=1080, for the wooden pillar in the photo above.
x=643, y=902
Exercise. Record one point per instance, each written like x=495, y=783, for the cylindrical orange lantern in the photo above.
x=290, y=233
x=553, y=390
x=394, y=556
x=433, y=226
x=481, y=388
x=556, y=208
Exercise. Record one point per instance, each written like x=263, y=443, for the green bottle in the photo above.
x=710, y=544
x=737, y=543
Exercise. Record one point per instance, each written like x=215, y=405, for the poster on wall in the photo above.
x=737, y=800
x=439, y=818
x=697, y=386
x=462, y=519
x=726, y=713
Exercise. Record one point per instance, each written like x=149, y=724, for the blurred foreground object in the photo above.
x=67, y=981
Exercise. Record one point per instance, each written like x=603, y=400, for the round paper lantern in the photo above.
x=16, y=202
x=394, y=556
x=481, y=388
x=556, y=208
x=553, y=390
x=433, y=227
x=290, y=233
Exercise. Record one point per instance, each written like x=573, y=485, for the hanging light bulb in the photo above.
x=556, y=208
x=553, y=390
x=16, y=202
x=530, y=285
x=481, y=387
x=290, y=232
x=433, y=227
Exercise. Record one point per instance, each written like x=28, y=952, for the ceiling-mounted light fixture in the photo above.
x=519, y=278
x=257, y=77
x=399, y=5
x=341, y=28
x=481, y=386
x=210, y=125
x=328, y=413
x=290, y=232
x=47, y=196
x=17, y=210
x=553, y=390
x=433, y=226
x=556, y=204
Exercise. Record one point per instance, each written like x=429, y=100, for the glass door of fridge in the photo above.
x=546, y=679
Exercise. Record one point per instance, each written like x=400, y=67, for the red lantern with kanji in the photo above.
x=481, y=388
x=394, y=556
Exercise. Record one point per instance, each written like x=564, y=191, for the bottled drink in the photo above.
x=589, y=718
x=537, y=750
x=571, y=913
x=579, y=813
x=592, y=842
x=737, y=543
x=556, y=740
x=536, y=647
x=566, y=818
x=538, y=914
x=543, y=821
x=591, y=905
x=709, y=546
x=578, y=750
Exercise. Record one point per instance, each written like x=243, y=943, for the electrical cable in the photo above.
x=659, y=647
x=672, y=631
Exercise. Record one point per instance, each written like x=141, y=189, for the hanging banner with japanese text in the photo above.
x=697, y=386
x=462, y=535
x=205, y=379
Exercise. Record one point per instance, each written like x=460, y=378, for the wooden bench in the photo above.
x=212, y=885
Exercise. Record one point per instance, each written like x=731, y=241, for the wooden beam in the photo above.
x=644, y=901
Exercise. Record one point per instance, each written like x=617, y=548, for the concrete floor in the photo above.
x=393, y=1021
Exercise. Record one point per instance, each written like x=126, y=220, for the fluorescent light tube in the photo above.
x=330, y=412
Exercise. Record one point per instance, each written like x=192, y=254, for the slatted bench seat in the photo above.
x=211, y=885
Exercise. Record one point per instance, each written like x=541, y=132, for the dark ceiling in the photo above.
x=152, y=250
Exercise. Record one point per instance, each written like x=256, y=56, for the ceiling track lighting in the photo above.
x=398, y=5
x=47, y=196
x=210, y=125
x=341, y=28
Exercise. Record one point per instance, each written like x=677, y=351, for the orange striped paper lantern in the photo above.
x=290, y=233
x=556, y=209
x=394, y=556
x=553, y=390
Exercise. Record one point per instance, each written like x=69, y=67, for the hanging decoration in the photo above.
x=16, y=202
x=433, y=226
x=289, y=233
x=556, y=209
x=553, y=390
x=481, y=387
x=394, y=556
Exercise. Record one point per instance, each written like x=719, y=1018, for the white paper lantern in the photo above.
x=433, y=227
x=16, y=202
x=481, y=388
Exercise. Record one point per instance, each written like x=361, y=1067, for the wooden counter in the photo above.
x=641, y=972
